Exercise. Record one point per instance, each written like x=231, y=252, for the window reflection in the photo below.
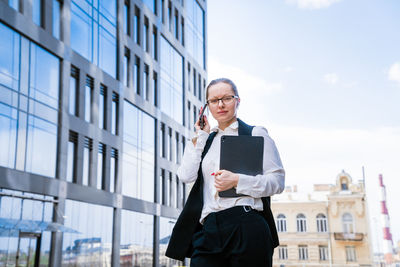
x=171, y=91
x=94, y=32
x=166, y=226
x=195, y=31
x=40, y=124
x=73, y=91
x=136, y=247
x=138, y=153
x=36, y=11
x=92, y=245
x=114, y=113
x=56, y=18
x=27, y=215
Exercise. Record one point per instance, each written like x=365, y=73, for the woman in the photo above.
x=217, y=231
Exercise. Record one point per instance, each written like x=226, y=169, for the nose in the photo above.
x=220, y=103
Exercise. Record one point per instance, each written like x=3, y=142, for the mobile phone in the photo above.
x=202, y=117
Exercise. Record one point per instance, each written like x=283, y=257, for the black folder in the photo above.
x=241, y=154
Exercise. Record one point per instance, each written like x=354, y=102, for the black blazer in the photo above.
x=180, y=244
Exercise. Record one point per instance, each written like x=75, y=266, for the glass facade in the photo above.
x=138, y=154
x=195, y=31
x=171, y=91
x=28, y=240
x=91, y=243
x=31, y=105
x=136, y=247
x=86, y=177
x=94, y=30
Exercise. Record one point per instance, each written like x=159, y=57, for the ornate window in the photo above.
x=281, y=222
x=301, y=223
x=348, y=224
x=321, y=223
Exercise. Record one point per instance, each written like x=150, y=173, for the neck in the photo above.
x=223, y=125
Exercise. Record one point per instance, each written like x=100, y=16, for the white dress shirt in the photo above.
x=271, y=182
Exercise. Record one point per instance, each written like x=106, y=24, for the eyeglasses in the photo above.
x=226, y=100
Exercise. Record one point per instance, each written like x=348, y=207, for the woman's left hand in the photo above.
x=225, y=180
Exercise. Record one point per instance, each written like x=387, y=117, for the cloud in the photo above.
x=394, y=72
x=331, y=78
x=245, y=81
x=312, y=4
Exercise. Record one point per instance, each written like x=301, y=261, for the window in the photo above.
x=126, y=66
x=162, y=140
x=155, y=89
x=162, y=187
x=344, y=184
x=199, y=86
x=146, y=35
x=171, y=81
x=136, y=75
x=126, y=18
x=303, y=252
x=146, y=82
x=321, y=223
x=87, y=160
x=166, y=226
x=113, y=169
x=173, y=191
x=114, y=113
x=94, y=226
x=182, y=146
x=103, y=107
x=177, y=150
x=74, y=91
x=56, y=18
x=94, y=31
x=100, y=166
x=169, y=16
x=283, y=252
x=281, y=223
x=169, y=144
x=136, y=26
x=170, y=190
x=41, y=147
x=347, y=220
x=138, y=153
x=194, y=41
x=88, y=99
x=301, y=223
x=188, y=77
x=189, y=125
x=323, y=253
x=71, y=160
x=182, y=31
x=38, y=97
x=194, y=82
x=176, y=24
x=351, y=253
x=154, y=54
x=163, y=11
x=37, y=12
x=14, y=4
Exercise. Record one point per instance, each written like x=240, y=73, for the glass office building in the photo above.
x=97, y=101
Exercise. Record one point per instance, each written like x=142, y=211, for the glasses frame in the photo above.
x=221, y=99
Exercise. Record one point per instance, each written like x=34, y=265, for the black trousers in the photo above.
x=234, y=237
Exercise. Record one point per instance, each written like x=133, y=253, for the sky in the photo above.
x=323, y=76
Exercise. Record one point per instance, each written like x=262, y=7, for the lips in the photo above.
x=222, y=112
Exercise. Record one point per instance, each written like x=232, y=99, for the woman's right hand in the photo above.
x=206, y=127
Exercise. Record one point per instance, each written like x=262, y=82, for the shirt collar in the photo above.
x=234, y=125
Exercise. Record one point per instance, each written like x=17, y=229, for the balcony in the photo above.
x=348, y=236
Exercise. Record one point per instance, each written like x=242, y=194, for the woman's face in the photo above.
x=222, y=112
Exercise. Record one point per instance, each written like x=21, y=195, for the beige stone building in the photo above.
x=328, y=227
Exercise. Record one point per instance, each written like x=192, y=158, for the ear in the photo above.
x=238, y=102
